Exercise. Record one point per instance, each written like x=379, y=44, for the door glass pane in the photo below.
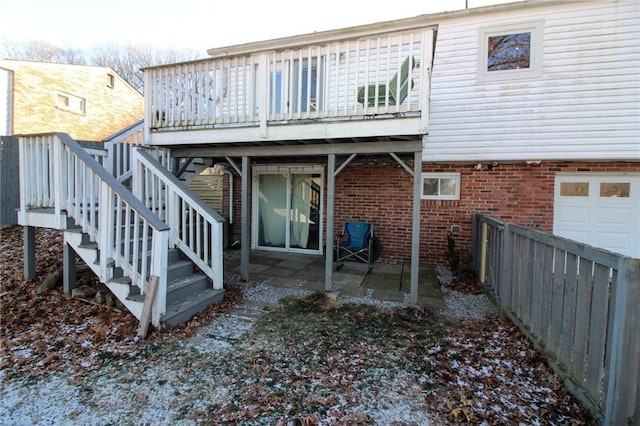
x=272, y=210
x=615, y=189
x=275, y=92
x=574, y=189
x=305, y=211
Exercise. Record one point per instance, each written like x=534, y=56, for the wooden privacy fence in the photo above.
x=580, y=305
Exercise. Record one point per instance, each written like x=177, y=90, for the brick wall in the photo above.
x=518, y=193
x=383, y=195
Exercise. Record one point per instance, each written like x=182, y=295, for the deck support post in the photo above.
x=328, y=251
x=415, y=229
x=244, y=221
x=68, y=268
x=29, y=251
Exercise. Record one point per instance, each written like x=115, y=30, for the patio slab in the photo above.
x=385, y=282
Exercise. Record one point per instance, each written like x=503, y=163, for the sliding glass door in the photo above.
x=287, y=203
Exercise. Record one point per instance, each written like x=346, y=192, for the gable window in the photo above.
x=510, y=52
x=70, y=103
x=111, y=80
x=441, y=186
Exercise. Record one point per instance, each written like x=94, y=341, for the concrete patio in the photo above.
x=385, y=282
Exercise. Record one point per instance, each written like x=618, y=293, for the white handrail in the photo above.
x=119, y=146
x=57, y=172
x=196, y=229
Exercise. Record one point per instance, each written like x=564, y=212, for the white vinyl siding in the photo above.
x=584, y=106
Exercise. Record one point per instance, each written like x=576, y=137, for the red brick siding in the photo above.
x=518, y=193
x=383, y=194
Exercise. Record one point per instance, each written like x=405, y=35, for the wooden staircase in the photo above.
x=163, y=230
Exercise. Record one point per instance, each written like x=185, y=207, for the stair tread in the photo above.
x=179, y=264
x=122, y=280
x=185, y=281
x=89, y=245
x=183, y=309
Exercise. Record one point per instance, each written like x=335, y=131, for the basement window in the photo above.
x=441, y=186
x=70, y=103
x=510, y=52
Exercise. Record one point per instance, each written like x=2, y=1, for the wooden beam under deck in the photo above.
x=383, y=147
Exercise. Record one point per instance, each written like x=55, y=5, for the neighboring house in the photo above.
x=527, y=111
x=89, y=103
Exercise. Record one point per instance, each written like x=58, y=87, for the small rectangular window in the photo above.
x=441, y=186
x=70, y=103
x=615, y=189
x=574, y=189
x=510, y=52
x=111, y=80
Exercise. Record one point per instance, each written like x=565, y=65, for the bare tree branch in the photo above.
x=126, y=61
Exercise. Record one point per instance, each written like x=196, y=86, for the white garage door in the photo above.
x=599, y=209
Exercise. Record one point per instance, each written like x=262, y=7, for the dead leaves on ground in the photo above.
x=46, y=333
x=317, y=362
x=308, y=362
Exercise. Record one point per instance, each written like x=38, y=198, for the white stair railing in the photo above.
x=119, y=147
x=196, y=229
x=56, y=172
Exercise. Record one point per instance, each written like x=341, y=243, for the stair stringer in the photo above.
x=89, y=255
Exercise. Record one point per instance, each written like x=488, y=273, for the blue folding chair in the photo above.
x=356, y=243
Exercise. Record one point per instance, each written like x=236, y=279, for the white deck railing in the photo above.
x=56, y=172
x=333, y=80
x=196, y=229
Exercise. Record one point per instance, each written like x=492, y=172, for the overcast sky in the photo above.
x=196, y=24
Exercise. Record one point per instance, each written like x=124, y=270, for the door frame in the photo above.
x=289, y=169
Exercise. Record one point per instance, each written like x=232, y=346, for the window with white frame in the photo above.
x=510, y=52
x=70, y=103
x=440, y=186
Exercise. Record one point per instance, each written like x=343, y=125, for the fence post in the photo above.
x=483, y=252
x=506, y=273
x=474, y=242
x=624, y=365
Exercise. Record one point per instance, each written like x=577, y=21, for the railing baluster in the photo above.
x=127, y=240
x=144, y=252
x=135, y=261
x=183, y=215
x=118, y=225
